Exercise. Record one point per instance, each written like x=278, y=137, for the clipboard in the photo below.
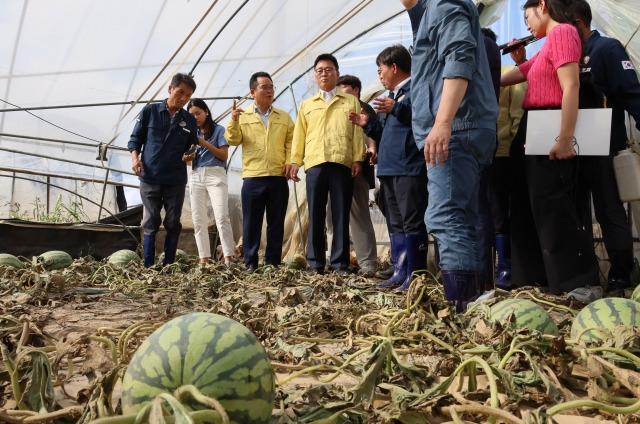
x=592, y=133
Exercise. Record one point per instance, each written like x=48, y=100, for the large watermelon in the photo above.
x=123, y=257
x=55, y=259
x=218, y=355
x=606, y=313
x=7, y=259
x=527, y=315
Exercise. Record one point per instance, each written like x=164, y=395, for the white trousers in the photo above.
x=211, y=181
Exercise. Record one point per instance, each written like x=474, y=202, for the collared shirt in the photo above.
x=328, y=95
x=448, y=44
x=263, y=116
x=397, y=88
x=204, y=157
x=265, y=149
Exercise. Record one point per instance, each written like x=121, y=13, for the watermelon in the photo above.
x=7, y=259
x=123, y=257
x=218, y=355
x=296, y=261
x=527, y=315
x=181, y=257
x=636, y=294
x=55, y=259
x=606, y=313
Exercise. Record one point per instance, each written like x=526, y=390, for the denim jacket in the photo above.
x=448, y=44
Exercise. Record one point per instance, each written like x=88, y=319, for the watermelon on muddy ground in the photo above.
x=218, y=355
x=123, y=257
x=55, y=259
x=605, y=313
x=527, y=315
x=7, y=259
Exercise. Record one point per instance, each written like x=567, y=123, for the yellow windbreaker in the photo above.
x=264, y=150
x=323, y=132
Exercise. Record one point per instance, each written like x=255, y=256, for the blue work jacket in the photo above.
x=162, y=144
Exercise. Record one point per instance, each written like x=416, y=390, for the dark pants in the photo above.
x=406, y=203
x=596, y=176
x=321, y=180
x=485, y=229
x=498, y=193
x=261, y=194
x=121, y=199
x=154, y=198
x=550, y=244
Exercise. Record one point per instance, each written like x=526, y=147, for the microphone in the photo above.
x=506, y=48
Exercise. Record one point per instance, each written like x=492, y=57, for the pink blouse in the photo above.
x=563, y=45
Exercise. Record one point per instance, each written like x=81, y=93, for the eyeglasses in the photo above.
x=327, y=70
x=265, y=87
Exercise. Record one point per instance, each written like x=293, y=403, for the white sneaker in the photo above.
x=586, y=294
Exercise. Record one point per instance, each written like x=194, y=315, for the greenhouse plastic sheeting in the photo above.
x=74, y=75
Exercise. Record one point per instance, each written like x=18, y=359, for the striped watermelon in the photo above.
x=218, y=355
x=527, y=315
x=55, y=259
x=607, y=313
x=7, y=259
x=181, y=257
x=636, y=294
x=123, y=257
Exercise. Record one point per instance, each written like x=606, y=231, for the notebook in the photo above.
x=592, y=133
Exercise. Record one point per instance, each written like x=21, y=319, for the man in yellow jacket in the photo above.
x=265, y=133
x=332, y=149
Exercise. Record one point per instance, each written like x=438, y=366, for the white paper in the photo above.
x=592, y=133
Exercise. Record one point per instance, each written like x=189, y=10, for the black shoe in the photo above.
x=315, y=271
x=250, y=269
x=616, y=287
x=386, y=274
x=342, y=272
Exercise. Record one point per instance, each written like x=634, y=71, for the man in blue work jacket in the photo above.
x=163, y=133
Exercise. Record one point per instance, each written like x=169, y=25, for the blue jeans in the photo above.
x=452, y=212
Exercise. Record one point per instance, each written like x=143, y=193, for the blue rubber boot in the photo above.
x=460, y=287
x=149, y=250
x=416, y=257
x=503, y=267
x=170, y=247
x=399, y=248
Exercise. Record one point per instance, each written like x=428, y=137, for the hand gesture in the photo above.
x=518, y=55
x=372, y=155
x=562, y=149
x=190, y=154
x=360, y=119
x=235, y=111
x=383, y=104
x=356, y=169
x=293, y=173
x=436, y=146
x=136, y=166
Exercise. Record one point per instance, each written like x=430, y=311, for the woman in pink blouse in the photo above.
x=550, y=243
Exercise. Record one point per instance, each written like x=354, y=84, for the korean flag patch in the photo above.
x=626, y=64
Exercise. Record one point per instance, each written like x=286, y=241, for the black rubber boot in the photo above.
x=399, y=248
x=416, y=257
x=460, y=287
x=149, y=250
